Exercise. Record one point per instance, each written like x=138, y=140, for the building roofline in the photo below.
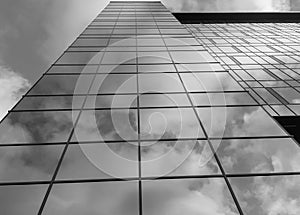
x=238, y=17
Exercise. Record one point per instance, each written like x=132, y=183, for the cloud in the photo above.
x=228, y=5
x=34, y=32
x=13, y=86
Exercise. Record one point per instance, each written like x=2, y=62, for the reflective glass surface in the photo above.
x=90, y=198
x=169, y=123
x=267, y=195
x=111, y=101
x=27, y=163
x=159, y=83
x=258, y=155
x=80, y=58
x=210, y=99
x=177, y=158
x=164, y=100
x=62, y=84
x=79, y=163
x=106, y=125
x=238, y=122
x=115, y=83
x=209, y=82
x=37, y=127
x=25, y=199
x=50, y=102
x=197, y=196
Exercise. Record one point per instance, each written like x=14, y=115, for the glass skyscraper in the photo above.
x=145, y=115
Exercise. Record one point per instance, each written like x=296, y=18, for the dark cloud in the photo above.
x=34, y=32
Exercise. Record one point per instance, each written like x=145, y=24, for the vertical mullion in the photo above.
x=69, y=139
x=140, y=195
x=204, y=131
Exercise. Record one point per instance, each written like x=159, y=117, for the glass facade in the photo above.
x=145, y=115
x=262, y=57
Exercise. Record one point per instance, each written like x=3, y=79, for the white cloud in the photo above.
x=13, y=86
x=228, y=5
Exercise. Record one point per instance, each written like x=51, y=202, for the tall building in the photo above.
x=145, y=115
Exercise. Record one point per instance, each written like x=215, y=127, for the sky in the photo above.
x=34, y=33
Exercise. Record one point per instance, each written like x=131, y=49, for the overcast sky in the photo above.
x=33, y=33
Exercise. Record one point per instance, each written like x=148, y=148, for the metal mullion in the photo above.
x=140, y=194
x=66, y=147
x=209, y=142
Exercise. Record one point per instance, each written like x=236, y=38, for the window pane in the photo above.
x=177, y=158
x=219, y=81
x=154, y=57
x=161, y=100
x=28, y=163
x=50, y=102
x=62, y=84
x=115, y=83
x=157, y=68
x=169, y=123
x=258, y=155
x=290, y=94
x=73, y=69
x=117, y=69
x=238, y=122
x=196, y=196
x=150, y=42
x=94, y=161
x=22, y=199
x=80, y=58
x=116, y=101
x=203, y=99
x=92, y=198
x=192, y=57
x=102, y=125
x=37, y=127
x=159, y=83
x=90, y=42
x=262, y=195
x=119, y=58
